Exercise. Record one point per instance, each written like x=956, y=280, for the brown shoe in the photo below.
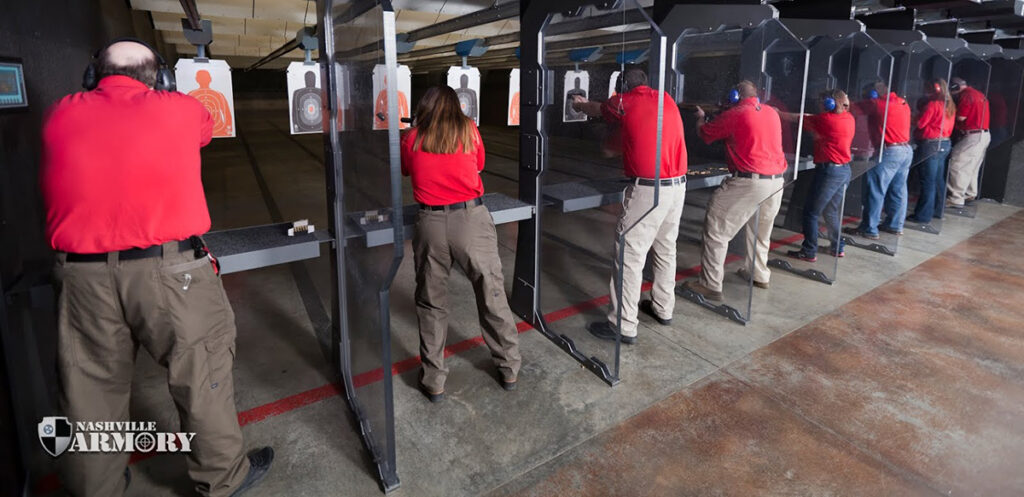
x=745, y=275
x=708, y=294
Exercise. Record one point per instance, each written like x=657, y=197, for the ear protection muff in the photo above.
x=936, y=88
x=164, y=75
x=954, y=86
x=733, y=97
x=829, y=103
x=873, y=94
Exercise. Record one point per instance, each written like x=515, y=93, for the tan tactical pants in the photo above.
x=655, y=231
x=466, y=237
x=174, y=307
x=734, y=204
x=964, y=165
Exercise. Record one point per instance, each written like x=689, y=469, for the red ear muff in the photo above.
x=937, y=88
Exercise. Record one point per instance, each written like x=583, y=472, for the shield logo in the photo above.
x=55, y=434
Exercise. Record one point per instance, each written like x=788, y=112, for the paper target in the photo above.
x=577, y=83
x=466, y=82
x=305, y=98
x=381, y=119
x=210, y=83
x=513, y=98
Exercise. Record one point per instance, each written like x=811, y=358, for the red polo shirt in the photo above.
x=753, y=137
x=933, y=123
x=637, y=112
x=833, y=136
x=121, y=168
x=897, y=121
x=973, y=106
x=442, y=179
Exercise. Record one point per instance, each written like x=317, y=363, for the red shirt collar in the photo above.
x=120, y=81
x=749, y=101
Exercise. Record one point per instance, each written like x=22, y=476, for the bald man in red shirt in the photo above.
x=751, y=197
x=124, y=208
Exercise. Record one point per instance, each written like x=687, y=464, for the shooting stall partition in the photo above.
x=714, y=47
x=976, y=71
x=1000, y=181
x=843, y=57
x=917, y=66
x=568, y=171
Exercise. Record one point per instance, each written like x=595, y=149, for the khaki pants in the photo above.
x=655, y=231
x=964, y=165
x=174, y=307
x=466, y=237
x=733, y=205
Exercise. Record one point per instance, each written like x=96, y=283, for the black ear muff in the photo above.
x=89, y=79
x=165, y=79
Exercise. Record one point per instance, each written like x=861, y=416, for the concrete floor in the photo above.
x=709, y=393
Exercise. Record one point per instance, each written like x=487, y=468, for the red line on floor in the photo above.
x=51, y=483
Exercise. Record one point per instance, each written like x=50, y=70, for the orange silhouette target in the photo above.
x=380, y=108
x=214, y=102
x=513, y=110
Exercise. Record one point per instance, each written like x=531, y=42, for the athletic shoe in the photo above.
x=803, y=256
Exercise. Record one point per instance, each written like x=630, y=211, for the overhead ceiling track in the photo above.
x=192, y=14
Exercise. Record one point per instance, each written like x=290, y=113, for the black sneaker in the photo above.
x=259, y=465
x=803, y=256
x=605, y=331
x=647, y=307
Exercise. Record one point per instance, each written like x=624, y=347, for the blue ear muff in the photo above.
x=734, y=96
x=829, y=103
x=873, y=94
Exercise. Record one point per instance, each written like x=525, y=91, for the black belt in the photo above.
x=678, y=180
x=974, y=131
x=756, y=176
x=138, y=253
x=901, y=144
x=453, y=207
x=832, y=164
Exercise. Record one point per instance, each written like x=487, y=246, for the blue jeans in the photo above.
x=826, y=199
x=895, y=165
x=933, y=180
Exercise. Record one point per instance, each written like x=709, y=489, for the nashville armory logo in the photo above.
x=58, y=435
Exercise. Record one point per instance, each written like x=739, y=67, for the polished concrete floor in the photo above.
x=902, y=378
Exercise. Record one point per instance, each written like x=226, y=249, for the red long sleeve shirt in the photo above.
x=121, y=168
x=637, y=112
x=933, y=123
x=973, y=106
x=442, y=179
x=753, y=137
x=833, y=136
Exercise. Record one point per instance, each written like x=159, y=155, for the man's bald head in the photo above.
x=128, y=58
x=746, y=89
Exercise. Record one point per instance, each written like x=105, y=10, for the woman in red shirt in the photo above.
x=933, y=129
x=444, y=154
